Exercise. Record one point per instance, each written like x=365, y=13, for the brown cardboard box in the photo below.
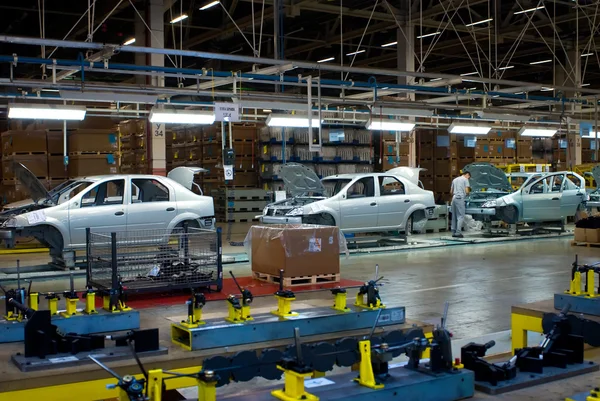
x=592, y=235
x=132, y=127
x=442, y=184
x=85, y=165
x=55, y=139
x=37, y=164
x=446, y=167
x=389, y=148
x=23, y=142
x=444, y=152
x=56, y=167
x=524, y=149
x=427, y=164
x=580, y=234
x=508, y=152
x=389, y=162
x=88, y=140
x=298, y=250
x=193, y=135
x=241, y=148
x=426, y=135
x=138, y=157
x=210, y=133
x=428, y=183
x=587, y=156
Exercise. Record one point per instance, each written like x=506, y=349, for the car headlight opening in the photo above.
x=297, y=211
x=491, y=203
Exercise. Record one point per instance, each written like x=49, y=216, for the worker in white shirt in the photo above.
x=459, y=190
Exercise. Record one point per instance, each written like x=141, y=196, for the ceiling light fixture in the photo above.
x=541, y=62
x=326, y=60
x=267, y=111
x=537, y=131
x=469, y=73
x=469, y=80
x=390, y=44
x=290, y=121
x=587, y=54
x=179, y=19
x=46, y=112
x=209, y=5
x=129, y=42
x=508, y=67
x=428, y=35
x=435, y=79
x=379, y=124
x=546, y=89
x=175, y=116
x=480, y=22
x=585, y=85
x=469, y=129
x=356, y=52
x=529, y=10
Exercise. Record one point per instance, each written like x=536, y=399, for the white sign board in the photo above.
x=228, y=172
x=227, y=112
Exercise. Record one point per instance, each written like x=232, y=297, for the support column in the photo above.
x=158, y=163
x=141, y=39
x=570, y=76
x=406, y=62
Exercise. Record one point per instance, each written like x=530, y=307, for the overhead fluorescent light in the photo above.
x=529, y=10
x=428, y=35
x=519, y=93
x=587, y=54
x=175, y=116
x=480, y=22
x=291, y=121
x=472, y=89
x=537, y=131
x=469, y=129
x=546, y=89
x=209, y=5
x=326, y=60
x=435, y=79
x=390, y=44
x=585, y=84
x=541, y=62
x=267, y=111
x=129, y=42
x=469, y=73
x=469, y=80
x=508, y=67
x=179, y=19
x=591, y=135
x=356, y=52
x=46, y=112
x=379, y=124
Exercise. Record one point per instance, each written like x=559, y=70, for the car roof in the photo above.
x=116, y=176
x=355, y=175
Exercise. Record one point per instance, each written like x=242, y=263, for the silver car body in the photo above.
x=354, y=202
x=108, y=203
x=594, y=196
x=543, y=197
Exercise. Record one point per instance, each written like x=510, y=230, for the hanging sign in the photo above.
x=585, y=128
x=228, y=172
x=227, y=112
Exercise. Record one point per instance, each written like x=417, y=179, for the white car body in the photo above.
x=390, y=201
x=109, y=203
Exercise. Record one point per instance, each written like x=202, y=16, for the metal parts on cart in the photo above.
x=584, y=292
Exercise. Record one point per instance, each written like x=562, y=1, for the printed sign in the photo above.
x=585, y=128
x=158, y=130
x=314, y=245
x=228, y=172
x=35, y=217
x=227, y=112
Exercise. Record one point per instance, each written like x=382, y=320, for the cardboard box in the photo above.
x=88, y=140
x=56, y=167
x=389, y=162
x=132, y=127
x=86, y=165
x=298, y=250
x=55, y=142
x=130, y=158
x=37, y=164
x=524, y=149
x=443, y=184
x=592, y=235
x=446, y=167
x=245, y=148
x=580, y=234
x=426, y=135
x=445, y=152
x=23, y=142
x=508, y=152
x=389, y=148
x=428, y=165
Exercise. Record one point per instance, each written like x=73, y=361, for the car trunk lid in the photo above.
x=299, y=179
x=410, y=173
x=185, y=175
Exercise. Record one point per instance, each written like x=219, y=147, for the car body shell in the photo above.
x=385, y=210
x=70, y=216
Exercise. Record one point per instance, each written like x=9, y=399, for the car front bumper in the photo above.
x=486, y=211
x=280, y=219
x=8, y=235
x=592, y=204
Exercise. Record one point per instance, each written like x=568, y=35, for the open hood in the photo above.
x=410, y=173
x=37, y=191
x=485, y=176
x=299, y=179
x=596, y=174
x=185, y=175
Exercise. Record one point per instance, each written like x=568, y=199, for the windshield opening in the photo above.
x=67, y=190
x=334, y=186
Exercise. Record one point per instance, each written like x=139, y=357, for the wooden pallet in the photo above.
x=298, y=280
x=93, y=153
x=24, y=154
x=588, y=244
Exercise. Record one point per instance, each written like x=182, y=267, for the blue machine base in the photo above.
x=268, y=327
x=579, y=303
x=526, y=379
x=102, y=322
x=404, y=384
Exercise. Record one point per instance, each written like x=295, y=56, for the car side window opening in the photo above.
x=391, y=186
x=539, y=187
x=106, y=193
x=571, y=182
x=557, y=182
x=149, y=190
x=363, y=188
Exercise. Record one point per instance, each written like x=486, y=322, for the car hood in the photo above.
x=185, y=175
x=485, y=177
x=28, y=179
x=596, y=174
x=299, y=179
x=410, y=173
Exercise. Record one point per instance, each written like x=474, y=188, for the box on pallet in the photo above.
x=428, y=165
x=446, y=167
x=132, y=127
x=55, y=142
x=580, y=234
x=56, y=167
x=23, y=142
x=390, y=162
x=88, y=140
x=442, y=184
x=37, y=164
x=298, y=250
x=85, y=165
x=592, y=235
x=443, y=152
x=524, y=149
x=391, y=148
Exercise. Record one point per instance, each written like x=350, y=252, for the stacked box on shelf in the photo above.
x=133, y=146
x=588, y=150
x=93, y=152
x=524, y=150
x=239, y=205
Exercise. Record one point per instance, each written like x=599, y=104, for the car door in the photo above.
x=540, y=202
x=101, y=208
x=153, y=204
x=393, y=202
x=573, y=191
x=358, y=206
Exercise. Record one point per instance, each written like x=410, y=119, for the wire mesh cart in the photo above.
x=155, y=260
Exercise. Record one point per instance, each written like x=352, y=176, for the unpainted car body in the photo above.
x=543, y=197
x=372, y=202
x=108, y=203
